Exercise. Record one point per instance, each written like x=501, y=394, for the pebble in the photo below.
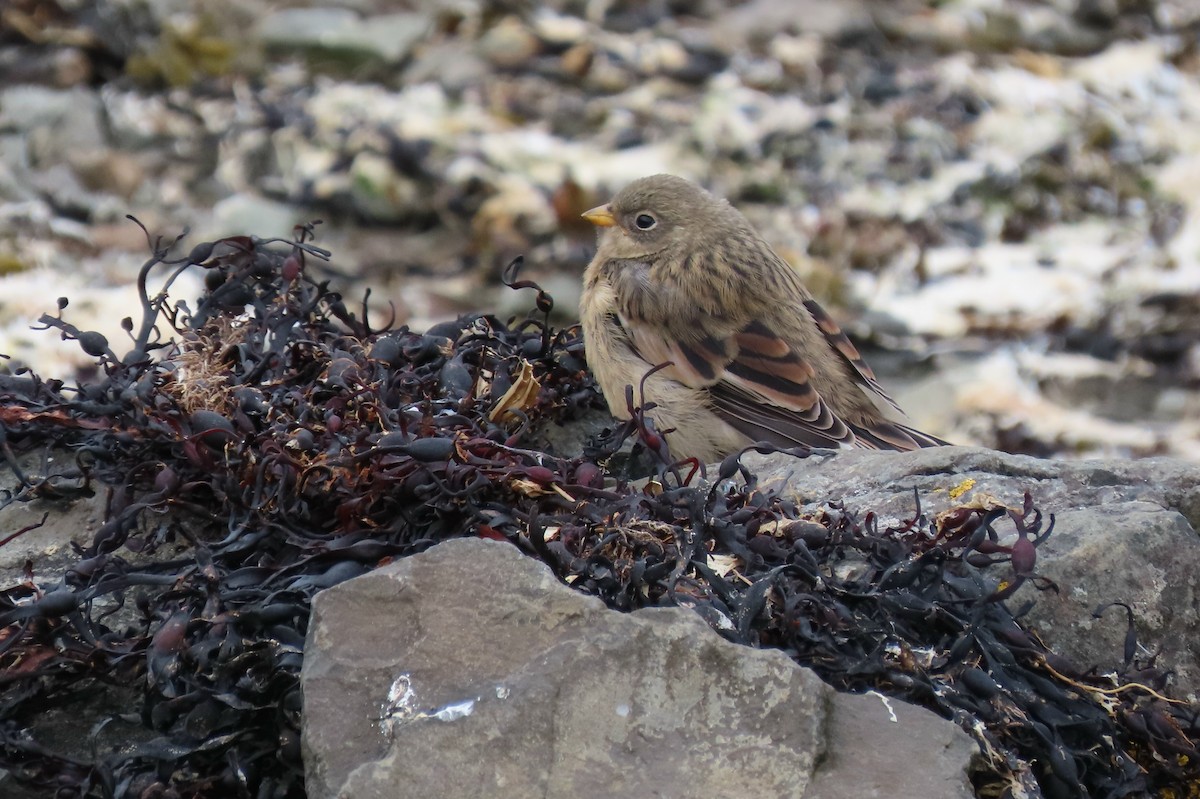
x=241, y=212
x=559, y=30
x=509, y=43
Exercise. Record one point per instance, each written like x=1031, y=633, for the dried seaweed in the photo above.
x=272, y=443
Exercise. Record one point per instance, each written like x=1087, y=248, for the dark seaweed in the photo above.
x=273, y=442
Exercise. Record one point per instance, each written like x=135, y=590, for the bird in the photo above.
x=722, y=343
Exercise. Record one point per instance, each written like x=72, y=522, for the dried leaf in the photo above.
x=522, y=395
x=527, y=488
x=723, y=564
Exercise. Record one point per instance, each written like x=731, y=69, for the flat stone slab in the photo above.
x=1125, y=531
x=469, y=670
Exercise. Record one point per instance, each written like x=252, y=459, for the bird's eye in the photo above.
x=645, y=221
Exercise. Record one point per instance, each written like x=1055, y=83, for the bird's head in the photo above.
x=661, y=213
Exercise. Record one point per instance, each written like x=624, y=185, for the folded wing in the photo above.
x=762, y=386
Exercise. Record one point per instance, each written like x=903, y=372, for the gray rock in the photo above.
x=568, y=439
x=340, y=36
x=63, y=189
x=448, y=64
x=470, y=670
x=1176, y=14
x=57, y=122
x=1125, y=531
x=14, y=166
x=1132, y=552
x=760, y=20
x=14, y=151
x=239, y=213
x=924, y=754
x=47, y=546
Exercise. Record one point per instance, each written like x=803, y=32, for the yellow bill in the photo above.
x=601, y=216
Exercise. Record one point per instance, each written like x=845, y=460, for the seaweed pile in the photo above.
x=272, y=443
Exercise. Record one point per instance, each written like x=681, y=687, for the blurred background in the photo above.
x=1000, y=201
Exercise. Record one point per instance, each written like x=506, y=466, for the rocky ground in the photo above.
x=994, y=197
x=999, y=198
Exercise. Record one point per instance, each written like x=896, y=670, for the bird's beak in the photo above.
x=600, y=216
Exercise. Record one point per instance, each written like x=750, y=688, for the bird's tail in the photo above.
x=890, y=435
